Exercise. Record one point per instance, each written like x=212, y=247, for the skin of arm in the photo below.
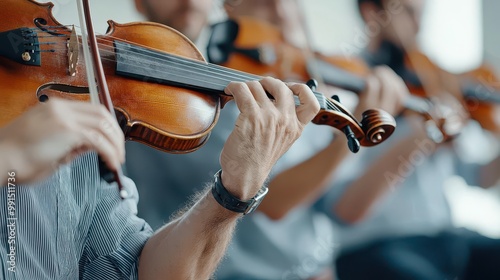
x=34, y=149
x=205, y=229
x=191, y=246
x=358, y=199
x=196, y=243
x=291, y=187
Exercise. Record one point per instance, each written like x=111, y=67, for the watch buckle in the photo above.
x=256, y=200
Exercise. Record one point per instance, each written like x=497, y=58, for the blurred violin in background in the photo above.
x=481, y=89
x=252, y=45
x=255, y=46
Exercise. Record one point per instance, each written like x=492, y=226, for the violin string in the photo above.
x=319, y=96
x=55, y=26
x=230, y=74
x=243, y=75
x=221, y=69
x=44, y=43
x=51, y=36
x=175, y=73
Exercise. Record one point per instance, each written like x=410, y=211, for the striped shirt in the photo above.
x=71, y=226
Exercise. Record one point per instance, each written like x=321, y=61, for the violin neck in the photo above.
x=157, y=67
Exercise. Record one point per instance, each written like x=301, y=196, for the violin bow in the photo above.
x=98, y=87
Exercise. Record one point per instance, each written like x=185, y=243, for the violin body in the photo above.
x=477, y=91
x=487, y=114
x=135, y=101
x=256, y=47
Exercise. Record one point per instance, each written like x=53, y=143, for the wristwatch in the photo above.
x=230, y=202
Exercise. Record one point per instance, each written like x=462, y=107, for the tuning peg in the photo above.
x=352, y=141
x=312, y=84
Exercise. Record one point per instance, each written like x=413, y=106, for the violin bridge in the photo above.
x=72, y=52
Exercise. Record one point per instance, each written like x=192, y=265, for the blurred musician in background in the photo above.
x=286, y=233
x=395, y=221
x=287, y=238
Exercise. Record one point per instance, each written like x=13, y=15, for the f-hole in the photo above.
x=42, y=24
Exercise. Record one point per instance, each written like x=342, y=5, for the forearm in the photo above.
x=191, y=246
x=389, y=171
x=305, y=182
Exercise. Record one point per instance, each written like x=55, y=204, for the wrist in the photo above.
x=241, y=187
x=232, y=202
x=220, y=211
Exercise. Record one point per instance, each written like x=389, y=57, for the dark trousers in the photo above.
x=447, y=256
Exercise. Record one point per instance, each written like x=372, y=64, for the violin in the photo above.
x=164, y=93
x=255, y=46
x=477, y=90
x=481, y=89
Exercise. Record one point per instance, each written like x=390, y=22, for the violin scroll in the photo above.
x=377, y=125
x=481, y=93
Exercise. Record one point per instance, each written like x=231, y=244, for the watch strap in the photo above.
x=232, y=203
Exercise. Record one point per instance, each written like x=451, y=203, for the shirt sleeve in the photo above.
x=352, y=168
x=116, y=236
